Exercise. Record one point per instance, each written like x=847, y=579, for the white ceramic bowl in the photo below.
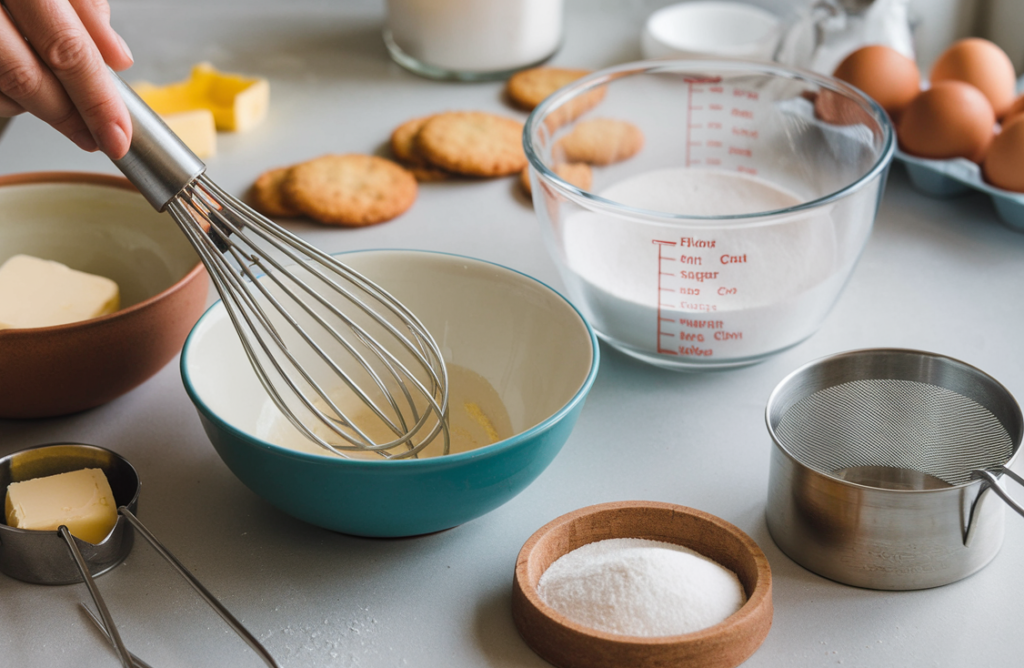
x=525, y=339
x=711, y=28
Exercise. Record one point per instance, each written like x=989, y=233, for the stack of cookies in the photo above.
x=463, y=143
x=352, y=190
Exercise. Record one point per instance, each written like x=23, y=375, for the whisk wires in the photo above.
x=292, y=306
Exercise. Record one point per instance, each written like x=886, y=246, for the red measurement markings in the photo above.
x=689, y=129
x=702, y=85
x=661, y=289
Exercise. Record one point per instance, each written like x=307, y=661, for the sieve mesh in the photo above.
x=896, y=424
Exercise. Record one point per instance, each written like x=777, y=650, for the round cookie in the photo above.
x=266, y=195
x=403, y=146
x=601, y=141
x=578, y=174
x=528, y=88
x=350, y=189
x=473, y=143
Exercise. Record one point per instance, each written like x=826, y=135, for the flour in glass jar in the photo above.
x=639, y=587
x=732, y=290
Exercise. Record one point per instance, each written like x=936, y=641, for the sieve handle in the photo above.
x=993, y=480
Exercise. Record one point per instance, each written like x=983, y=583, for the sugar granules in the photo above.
x=639, y=587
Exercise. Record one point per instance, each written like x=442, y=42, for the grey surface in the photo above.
x=943, y=276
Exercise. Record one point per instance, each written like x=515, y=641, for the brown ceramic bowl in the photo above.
x=99, y=224
x=567, y=644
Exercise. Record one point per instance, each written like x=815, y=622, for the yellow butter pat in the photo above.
x=196, y=129
x=238, y=103
x=80, y=500
x=43, y=293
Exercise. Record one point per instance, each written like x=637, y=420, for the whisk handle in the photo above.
x=158, y=163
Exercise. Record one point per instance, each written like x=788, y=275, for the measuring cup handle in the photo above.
x=990, y=477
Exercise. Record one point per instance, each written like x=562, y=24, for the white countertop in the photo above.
x=937, y=275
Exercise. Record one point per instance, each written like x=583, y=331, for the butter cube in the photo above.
x=80, y=500
x=42, y=293
x=238, y=103
x=196, y=129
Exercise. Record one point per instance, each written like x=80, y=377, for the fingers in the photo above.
x=95, y=17
x=28, y=84
x=62, y=77
x=9, y=107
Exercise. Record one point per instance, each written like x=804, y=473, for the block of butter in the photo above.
x=196, y=128
x=80, y=500
x=238, y=103
x=43, y=293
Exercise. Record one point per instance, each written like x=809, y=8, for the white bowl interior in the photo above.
x=714, y=28
x=525, y=339
x=103, y=230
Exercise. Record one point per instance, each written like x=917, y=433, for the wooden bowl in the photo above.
x=567, y=644
x=102, y=225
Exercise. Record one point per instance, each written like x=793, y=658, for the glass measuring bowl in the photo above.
x=729, y=236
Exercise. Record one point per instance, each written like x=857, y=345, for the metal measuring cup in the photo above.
x=58, y=558
x=882, y=464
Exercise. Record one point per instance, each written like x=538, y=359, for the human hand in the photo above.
x=53, y=58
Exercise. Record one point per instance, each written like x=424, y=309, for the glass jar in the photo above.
x=472, y=40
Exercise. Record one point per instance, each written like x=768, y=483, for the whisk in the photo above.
x=332, y=349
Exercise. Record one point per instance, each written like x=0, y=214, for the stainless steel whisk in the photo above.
x=315, y=331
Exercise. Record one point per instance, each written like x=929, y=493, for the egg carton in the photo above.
x=950, y=178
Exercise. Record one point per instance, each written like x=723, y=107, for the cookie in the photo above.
x=266, y=195
x=578, y=174
x=601, y=141
x=350, y=189
x=403, y=146
x=472, y=143
x=528, y=88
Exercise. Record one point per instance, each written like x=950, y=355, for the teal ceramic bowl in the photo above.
x=526, y=340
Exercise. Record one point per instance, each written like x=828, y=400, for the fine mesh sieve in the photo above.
x=881, y=465
x=895, y=419
x=882, y=432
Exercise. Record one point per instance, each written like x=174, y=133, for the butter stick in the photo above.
x=80, y=500
x=42, y=293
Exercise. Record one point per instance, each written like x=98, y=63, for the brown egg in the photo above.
x=951, y=119
x=886, y=75
x=1004, y=162
x=1016, y=109
x=982, y=64
x=837, y=109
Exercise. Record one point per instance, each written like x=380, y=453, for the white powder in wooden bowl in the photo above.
x=639, y=587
